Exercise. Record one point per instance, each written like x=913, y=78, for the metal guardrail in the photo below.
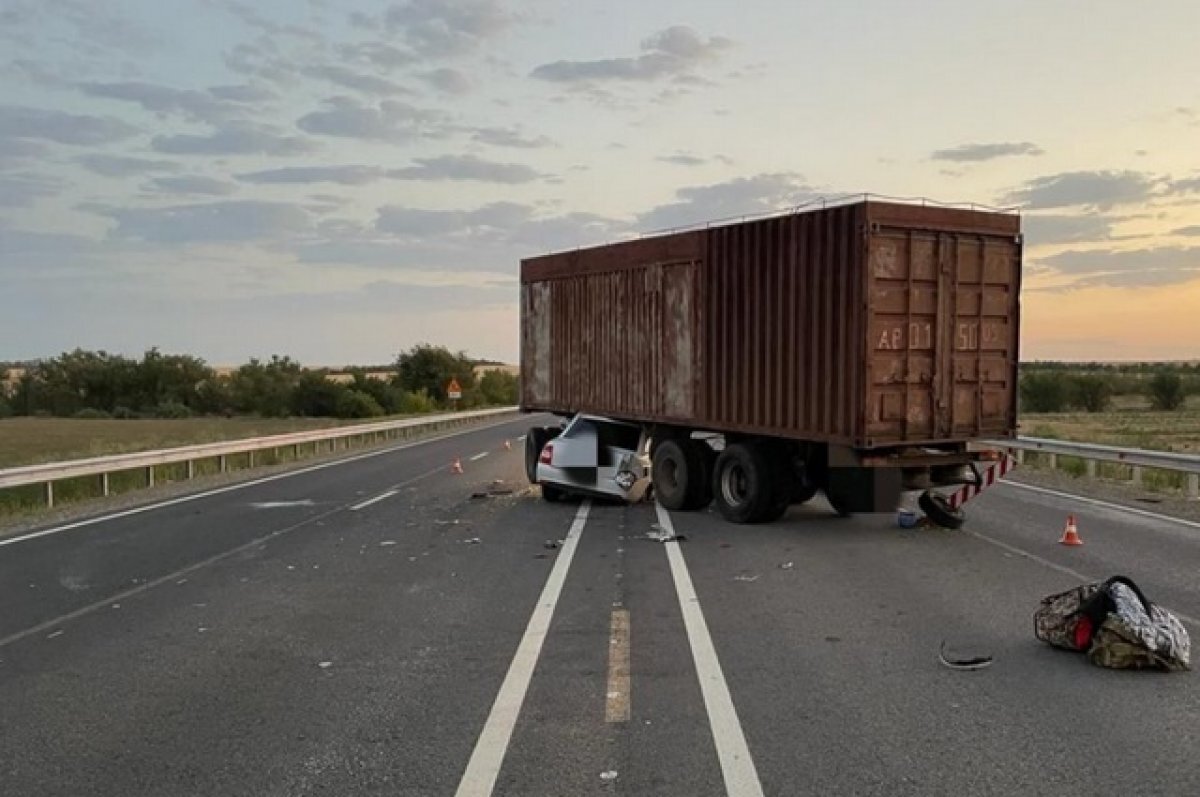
x=1091, y=453
x=48, y=473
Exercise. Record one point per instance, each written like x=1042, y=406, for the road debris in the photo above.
x=386, y=543
x=325, y=665
x=955, y=662
x=57, y=633
x=787, y=565
x=550, y=545
x=609, y=775
x=746, y=577
x=473, y=541
x=659, y=534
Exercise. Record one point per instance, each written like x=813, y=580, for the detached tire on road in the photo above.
x=937, y=508
x=681, y=474
x=743, y=485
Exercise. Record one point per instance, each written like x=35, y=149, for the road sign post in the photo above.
x=454, y=392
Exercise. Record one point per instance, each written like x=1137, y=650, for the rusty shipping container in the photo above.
x=872, y=325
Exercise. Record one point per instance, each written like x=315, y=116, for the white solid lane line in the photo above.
x=478, y=456
x=737, y=766
x=240, y=486
x=375, y=500
x=484, y=767
x=1097, y=502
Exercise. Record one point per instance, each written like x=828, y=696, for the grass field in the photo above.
x=1130, y=423
x=28, y=441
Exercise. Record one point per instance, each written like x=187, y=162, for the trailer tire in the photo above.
x=681, y=475
x=937, y=508
x=743, y=486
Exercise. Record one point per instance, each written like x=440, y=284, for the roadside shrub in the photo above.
x=1043, y=392
x=124, y=414
x=1091, y=393
x=173, y=410
x=6, y=409
x=1166, y=391
x=414, y=403
x=90, y=414
x=357, y=404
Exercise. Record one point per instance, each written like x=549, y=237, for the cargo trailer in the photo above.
x=855, y=349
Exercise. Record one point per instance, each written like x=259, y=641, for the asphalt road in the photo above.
x=275, y=640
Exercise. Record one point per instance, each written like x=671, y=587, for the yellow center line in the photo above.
x=617, y=704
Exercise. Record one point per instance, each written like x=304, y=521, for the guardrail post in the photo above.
x=150, y=476
x=191, y=469
x=296, y=451
x=249, y=459
x=49, y=495
x=1193, y=486
x=1053, y=459
x=104, y=484
x=223, y=463
x=1136, y=475
x=1091, y=468
x=1020, y=456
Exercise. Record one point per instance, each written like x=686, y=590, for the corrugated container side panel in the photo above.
x=869, y=324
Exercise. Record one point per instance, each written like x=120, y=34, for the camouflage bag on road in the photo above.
x=1116, y=624
x=1059, y=621
x=1140, y=635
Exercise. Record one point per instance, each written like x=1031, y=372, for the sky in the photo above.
x=338, y=180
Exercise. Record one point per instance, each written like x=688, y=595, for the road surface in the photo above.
x=370, y=628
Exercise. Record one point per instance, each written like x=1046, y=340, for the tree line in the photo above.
x=1058, y=387
x=97, y=384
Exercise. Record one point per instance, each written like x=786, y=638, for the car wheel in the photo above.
x=937, y=508
x=535, y=441
x=552, y=494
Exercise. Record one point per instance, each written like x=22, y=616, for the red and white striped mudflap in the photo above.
x=993, y=474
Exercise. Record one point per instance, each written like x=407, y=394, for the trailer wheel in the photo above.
x=742, y=483
x=937, y=508
x=681, y=472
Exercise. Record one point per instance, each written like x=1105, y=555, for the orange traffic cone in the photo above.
x=1070, y=534
x=457, y=466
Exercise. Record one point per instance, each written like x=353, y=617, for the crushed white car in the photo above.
x=589, y=456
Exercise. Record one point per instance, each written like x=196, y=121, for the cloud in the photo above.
x=262, y=62
x=742, y=196
x=391, y=120
x=243, y=93
x=1190, y=185
x=448, y=81
x=1193, y=230
x=440, y=28
x=974, y=153
x=18, y=121
x=509, y=137
x=348, y=78
x=690, y=159
x=233, y=139
x=1164, y=265
x=13, y=150
x=466, y=167
x=251, y=18
x=24, y=190
x=192, y=104
x=1099, y=189
x=380, y=55
x=195, y=185
x=405, y=221
x=1060, y=229
x=214, y=222
x=342, y=175
x=121, y=166
x=673, y=52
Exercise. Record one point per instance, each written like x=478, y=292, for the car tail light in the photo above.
x=547, y=454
